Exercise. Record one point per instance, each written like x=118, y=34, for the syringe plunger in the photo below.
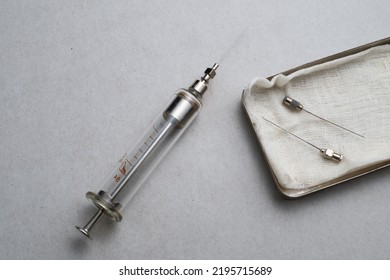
x=135, y=166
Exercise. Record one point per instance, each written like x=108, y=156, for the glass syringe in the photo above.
x=135, y=166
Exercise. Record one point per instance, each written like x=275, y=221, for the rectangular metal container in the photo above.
x=293, y=193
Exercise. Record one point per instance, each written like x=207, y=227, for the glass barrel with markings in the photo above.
x=136, y=165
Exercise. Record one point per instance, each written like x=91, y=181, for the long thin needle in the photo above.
x=333, y=123
x=296, y=105
x=292, y=134
x=235, y=43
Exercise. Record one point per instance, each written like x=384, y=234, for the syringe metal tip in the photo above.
x=199, y=87
x=210, y=72
x=88, y=227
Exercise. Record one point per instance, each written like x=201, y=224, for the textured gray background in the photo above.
x=81, y=80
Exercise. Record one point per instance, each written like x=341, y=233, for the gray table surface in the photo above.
x=81, y=80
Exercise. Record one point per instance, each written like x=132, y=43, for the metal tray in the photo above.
x=295, y=193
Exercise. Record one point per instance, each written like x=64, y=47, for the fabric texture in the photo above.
x=353, y=92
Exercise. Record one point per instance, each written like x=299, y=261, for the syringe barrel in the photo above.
x=136, y=165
